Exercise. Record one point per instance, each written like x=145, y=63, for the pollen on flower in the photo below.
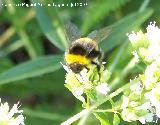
x=9, y=116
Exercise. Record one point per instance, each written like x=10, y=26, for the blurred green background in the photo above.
x=32, y=45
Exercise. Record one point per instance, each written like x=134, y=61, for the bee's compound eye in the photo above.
x=76, y=67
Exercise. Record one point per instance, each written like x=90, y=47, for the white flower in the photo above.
x=147, y=118
x=133, y=37
x=84, y=79
x=132, y=111
x=150, y=77
x=77, y=83
x=136, y=88
x=147, y=45
x=102, y=88
x=125, y=102
x=87, y=82
x=136, y=57
x=153, y=34
x=129, y=115
x=7, y=117
x=138, y=40
x=143, y=101
x=77, y=92
x=145, y=106
x=154, y=97
x=65, y=67
x=71, y=79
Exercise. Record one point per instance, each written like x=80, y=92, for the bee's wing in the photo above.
x=72, y=32
x=99, y=35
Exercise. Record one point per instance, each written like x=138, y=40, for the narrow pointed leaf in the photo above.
x=124, y=26
x=31, y=68
x=48, y=29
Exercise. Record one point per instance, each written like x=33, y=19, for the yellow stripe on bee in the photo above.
x=71, y=58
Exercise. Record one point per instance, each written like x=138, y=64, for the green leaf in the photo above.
x=53, y=83
x=48, y=28
x=102, y=10
x=28, y=44
x=103, y=118
x=44, y=115
x=32, y=68
x=5, y=64
x=125, y=25
x=116, y=120
x=11, y=47
x=91, y=94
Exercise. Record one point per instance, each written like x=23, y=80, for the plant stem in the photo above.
x=88, y=103
x=83, y=119
x=86, y=111
x=118, y=55
x=107, y=110
x=127, y=69
x=75, y=117
x=117, y=92
x=144, y=5
x=11, y=31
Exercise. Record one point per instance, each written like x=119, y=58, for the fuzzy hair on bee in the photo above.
x=83, y=51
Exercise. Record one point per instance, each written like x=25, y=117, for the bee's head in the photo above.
x=76, y=67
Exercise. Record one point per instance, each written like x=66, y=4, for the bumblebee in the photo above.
x=83, y=51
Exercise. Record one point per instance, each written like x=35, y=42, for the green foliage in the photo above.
x=47, y=28
x=100, y=10
x=32, y=68
x=116, y=120
x=103, y=118
x=122, y=27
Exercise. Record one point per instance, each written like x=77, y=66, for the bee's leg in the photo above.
x=97, y=65
x=98, y=68
x=87, y=68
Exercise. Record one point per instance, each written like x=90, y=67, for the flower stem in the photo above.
x=117, y=92
x=107, y=110
x=86, y=111
x=75, y=117
x=88, y=103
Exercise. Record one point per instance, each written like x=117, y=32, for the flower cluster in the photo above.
x=146, y=45
x=92, y=82
x=142, y=102
x=11, y=116
x=135, y=105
